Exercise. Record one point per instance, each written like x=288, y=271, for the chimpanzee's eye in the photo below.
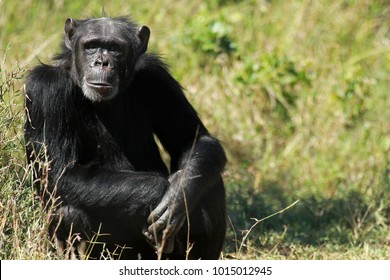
x=91, y=47
x=115, y=49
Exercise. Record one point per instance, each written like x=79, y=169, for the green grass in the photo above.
x=297, y=91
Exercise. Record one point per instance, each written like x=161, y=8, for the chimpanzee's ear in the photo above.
x=143, y=35
x=70, y=28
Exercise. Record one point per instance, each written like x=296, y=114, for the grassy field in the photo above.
x=297, y=91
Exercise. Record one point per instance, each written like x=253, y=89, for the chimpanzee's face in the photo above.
x=104, y=53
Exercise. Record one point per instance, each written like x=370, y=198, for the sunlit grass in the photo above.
x=297, y=91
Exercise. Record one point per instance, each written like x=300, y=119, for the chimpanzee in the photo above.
x=93, y=117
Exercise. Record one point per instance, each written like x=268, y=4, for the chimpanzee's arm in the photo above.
x=197, y=159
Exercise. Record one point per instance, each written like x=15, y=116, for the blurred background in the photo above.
x=298, y=92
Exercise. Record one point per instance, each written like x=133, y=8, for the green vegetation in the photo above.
x=297, y=91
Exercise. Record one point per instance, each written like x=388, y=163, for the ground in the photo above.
x=297, y=92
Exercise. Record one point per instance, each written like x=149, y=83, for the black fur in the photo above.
x=105, y=168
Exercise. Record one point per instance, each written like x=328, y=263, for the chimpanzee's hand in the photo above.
x=168, y=217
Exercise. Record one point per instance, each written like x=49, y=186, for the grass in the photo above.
x=297, y=91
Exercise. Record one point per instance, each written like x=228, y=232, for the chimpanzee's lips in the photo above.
x=102, y=88
x=100, y=84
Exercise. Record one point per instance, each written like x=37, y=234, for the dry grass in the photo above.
x=297, y=91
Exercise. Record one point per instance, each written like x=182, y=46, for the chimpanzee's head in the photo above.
x=103, y=54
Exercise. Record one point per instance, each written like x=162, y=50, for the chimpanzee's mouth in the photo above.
x=100, y=85
x=100, y=90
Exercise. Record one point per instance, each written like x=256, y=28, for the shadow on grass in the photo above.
x=313, y=221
